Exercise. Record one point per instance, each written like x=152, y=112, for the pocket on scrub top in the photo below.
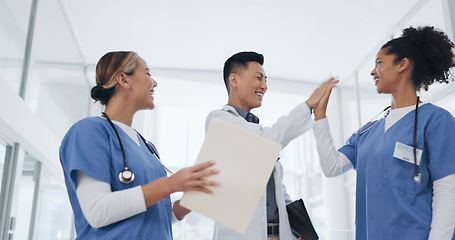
x=399, y=175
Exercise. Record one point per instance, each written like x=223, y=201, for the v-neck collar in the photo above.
x=396, y=115
x=129, y=131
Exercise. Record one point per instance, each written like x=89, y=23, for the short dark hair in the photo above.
x=237, y=61
x=430, y=51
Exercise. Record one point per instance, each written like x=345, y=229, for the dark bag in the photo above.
x=300, y=222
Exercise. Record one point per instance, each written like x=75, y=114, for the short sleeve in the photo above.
x=440, y=145
x=86, y=148
x=349, y=149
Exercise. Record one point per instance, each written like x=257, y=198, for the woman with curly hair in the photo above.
x=405, y=162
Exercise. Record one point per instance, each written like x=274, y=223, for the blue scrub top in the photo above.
x=92, y=147
x=389, y=204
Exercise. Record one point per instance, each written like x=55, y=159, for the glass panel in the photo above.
x=52, y=210
x=58, y=90
x=2, y=162
x=24, y=202
x=14, y=17
x=59, y=97
x=54, y=214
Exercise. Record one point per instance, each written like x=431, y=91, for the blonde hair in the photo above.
x=107, y=69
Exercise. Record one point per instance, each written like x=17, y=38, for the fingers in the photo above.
x=320, y=111
x=200, y=185
x=332, y=82
x=202, y=189
x=331, y=79
x=317, y=95
x=321, y=108
x=193, y=178
x=204, y=165
x=325, y=87
x=201, y=171
x=329, y=90
x=204, y=173
x=326, y=96
x=202, y=182
x=198, y=178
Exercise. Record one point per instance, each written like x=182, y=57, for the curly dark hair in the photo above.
x=429, y=49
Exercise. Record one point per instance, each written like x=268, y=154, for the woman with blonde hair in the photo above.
x=116, y=182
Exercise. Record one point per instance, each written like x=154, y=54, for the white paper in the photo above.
x=246, y=161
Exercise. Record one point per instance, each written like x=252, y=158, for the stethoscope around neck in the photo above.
x=417, y=175
x=127, y=176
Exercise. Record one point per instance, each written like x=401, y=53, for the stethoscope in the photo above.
x=417, y=175
x=127, y=176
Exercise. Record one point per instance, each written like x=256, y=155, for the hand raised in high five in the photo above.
x=319, y=93
x=321, y=108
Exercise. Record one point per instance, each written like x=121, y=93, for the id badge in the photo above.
x=406, y=153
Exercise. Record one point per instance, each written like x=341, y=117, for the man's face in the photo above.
x=251, y=85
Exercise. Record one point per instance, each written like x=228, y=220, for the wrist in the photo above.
x=310, y=104
x=318, y=114
x=169, y=185
x=311, y=109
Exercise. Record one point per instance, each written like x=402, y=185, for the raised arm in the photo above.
x=333, y=163
x=321, y=92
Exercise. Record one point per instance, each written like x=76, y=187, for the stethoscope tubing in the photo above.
x=417, y=175
x=119, y=139
x=130, y=179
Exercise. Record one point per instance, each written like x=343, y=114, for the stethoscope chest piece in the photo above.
x=126, y=176
x=418, y=178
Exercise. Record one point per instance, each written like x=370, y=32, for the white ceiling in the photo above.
x=302, y=40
